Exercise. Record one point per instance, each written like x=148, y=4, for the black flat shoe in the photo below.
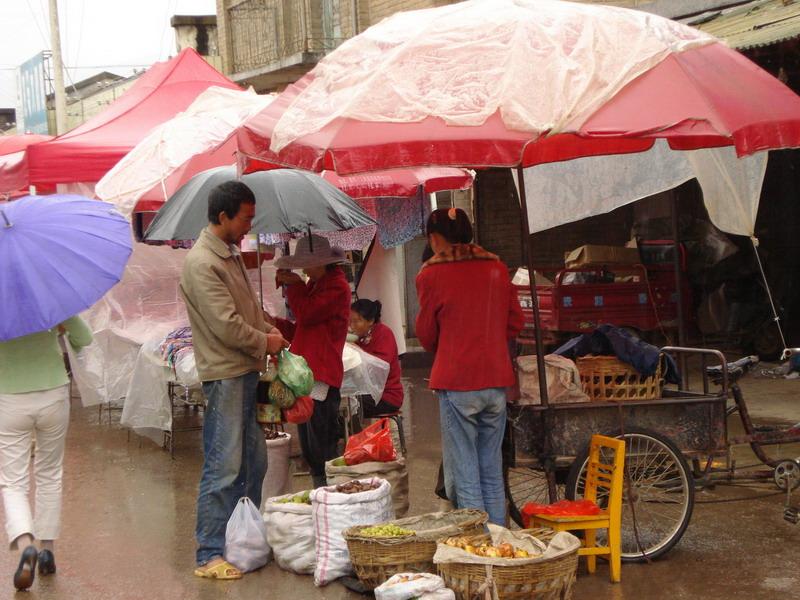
x=47, y=563
x=26, y=571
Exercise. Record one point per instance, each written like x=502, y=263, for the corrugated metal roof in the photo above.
x=757, y=23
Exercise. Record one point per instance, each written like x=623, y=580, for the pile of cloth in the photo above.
x=608, y=340
x=176, y=343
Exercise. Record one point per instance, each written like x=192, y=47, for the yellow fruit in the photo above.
x=492, y=552
x=520, y=553
x=470, y=549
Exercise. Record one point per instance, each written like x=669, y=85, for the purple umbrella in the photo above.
x=58, y=255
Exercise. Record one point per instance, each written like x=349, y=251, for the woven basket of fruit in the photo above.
x=406, y=545
x=506, y=571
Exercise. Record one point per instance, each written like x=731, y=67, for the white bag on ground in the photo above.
x=395, y=472
x=276, y=481
x=290, y=532
x=246, y=546
x=333, y=513
x=405, y=586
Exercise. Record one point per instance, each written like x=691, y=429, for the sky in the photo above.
x=96, y=35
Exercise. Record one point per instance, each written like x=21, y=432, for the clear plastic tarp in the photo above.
x=484, y=56
x=564, y=192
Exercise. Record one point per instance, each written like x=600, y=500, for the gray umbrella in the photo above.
x=288, y=202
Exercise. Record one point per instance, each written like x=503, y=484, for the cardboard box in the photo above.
x=591, y=255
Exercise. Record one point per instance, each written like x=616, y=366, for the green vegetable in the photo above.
x=339, y=462
x=385, y=531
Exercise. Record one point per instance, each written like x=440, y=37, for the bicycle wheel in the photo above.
x=523, y=485
x=662, y=490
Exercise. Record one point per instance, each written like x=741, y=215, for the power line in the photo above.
x=36, y=22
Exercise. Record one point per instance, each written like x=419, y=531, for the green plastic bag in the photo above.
x=293, y=370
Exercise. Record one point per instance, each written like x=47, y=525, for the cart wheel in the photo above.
x=525, y=484
x=663, y=494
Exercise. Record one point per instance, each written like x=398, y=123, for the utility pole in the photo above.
x=60, y=96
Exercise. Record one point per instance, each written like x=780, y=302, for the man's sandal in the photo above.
x=223, y=571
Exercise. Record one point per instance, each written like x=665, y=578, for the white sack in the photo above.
x=395, y=472
x=563, y=380
x=276, y=481
x=393, y=589
x=290, y=533
x=333, y=513
x=246, y=546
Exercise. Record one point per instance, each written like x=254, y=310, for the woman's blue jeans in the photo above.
x=235, y=459
x=473, y=424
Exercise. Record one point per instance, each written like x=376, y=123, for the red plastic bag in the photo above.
x=562, y=508
x=374, y=444
x=300, y=412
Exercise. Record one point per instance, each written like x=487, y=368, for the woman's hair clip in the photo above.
x=452, y=213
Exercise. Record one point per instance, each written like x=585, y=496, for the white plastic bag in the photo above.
x=405, y=586
x=290, y=532
x=246, y=546
x=334, y=512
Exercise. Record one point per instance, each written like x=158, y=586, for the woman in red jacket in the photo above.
x=377, y=339
x=322, y=311
x=468, y=312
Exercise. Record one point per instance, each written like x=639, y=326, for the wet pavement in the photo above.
x=129, y=519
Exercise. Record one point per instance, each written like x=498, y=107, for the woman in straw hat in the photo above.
x=322, y=310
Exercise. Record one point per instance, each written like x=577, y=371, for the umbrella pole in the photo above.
x=547, y=415
x=260, y=279
x=676, y=258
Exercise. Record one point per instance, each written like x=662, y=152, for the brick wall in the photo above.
x=497, y=215
x=499, y=225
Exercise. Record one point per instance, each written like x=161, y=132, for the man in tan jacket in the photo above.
x=231, y=341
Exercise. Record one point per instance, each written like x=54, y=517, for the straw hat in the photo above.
x=323, y=254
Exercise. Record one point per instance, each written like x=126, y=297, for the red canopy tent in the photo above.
x=14, y=163
x=87, y=152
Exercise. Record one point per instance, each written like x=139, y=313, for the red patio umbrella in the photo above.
x=401, y=183
x=515, y=93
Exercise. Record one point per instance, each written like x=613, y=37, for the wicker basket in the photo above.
x=545, y=580
x=376, y=559
x=606, y=378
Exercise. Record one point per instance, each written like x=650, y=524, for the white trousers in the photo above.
x=42, y=415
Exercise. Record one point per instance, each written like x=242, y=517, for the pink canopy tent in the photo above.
x=14, y=164
x=89, y=151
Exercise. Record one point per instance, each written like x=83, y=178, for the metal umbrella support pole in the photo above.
x=540, y=363
x=775, y=316
x=676, y=259
x=258, y=266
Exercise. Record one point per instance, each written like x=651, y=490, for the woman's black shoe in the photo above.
x=47, y=563
x=26, y=571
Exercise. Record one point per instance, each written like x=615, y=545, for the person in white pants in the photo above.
x=34, y=406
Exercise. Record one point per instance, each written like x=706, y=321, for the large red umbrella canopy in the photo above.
x=548, y=81
x=89, y=151
x=401, y=183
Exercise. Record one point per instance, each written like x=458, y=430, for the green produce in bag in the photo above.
x=281, y=395
x=293, y=370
